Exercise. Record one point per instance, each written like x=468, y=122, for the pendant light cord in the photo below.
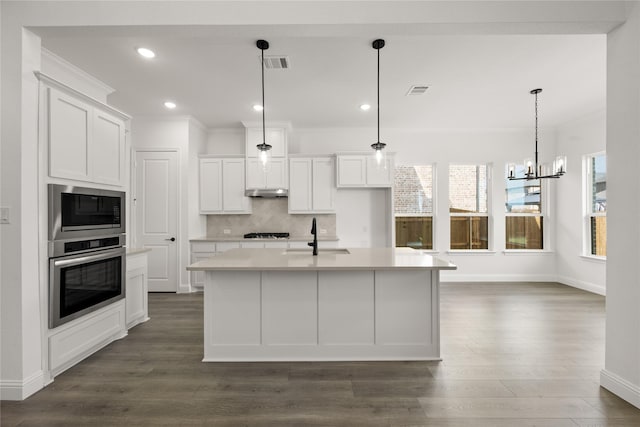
x=536, y=94
x=378, y=95
x=264, y=140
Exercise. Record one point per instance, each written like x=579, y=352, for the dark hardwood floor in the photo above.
x=525, y=354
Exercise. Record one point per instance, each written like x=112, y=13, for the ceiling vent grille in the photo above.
x=276, y=62
x=417, y=90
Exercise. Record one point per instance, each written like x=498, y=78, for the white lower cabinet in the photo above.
x=78, y=339
x=136, y=297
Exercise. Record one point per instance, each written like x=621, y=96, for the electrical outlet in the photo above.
x=323, y=231
x=4, y=216
x=227, y=231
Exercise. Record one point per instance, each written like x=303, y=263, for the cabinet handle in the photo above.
x=173, y=239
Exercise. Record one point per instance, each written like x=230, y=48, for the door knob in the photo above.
x=173, y=239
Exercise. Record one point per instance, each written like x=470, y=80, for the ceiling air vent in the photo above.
x=276, y=62
x=417, y=90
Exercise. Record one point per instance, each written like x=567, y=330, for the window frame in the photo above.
x=490, y=242
x=544, y=214
x=434, y=209
x=588, y=213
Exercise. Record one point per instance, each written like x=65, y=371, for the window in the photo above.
x=523, y=219
x=413, y=205
x=596, y=206
x=468, y=206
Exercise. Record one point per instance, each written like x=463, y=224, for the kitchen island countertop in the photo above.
x=330, y=259
x=227, y=238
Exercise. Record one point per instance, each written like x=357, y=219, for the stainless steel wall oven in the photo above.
x=86, y=251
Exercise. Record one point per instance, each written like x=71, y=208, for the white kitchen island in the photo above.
x=353, y=304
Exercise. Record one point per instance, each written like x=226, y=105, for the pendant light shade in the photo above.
x=379, y=146
x=264, y=149
x=532, y=168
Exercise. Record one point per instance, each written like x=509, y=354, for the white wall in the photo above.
x=622, y=354
x=197, y=145
x=576, y=139
x=20, y=315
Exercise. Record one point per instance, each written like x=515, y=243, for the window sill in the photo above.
x=594, y=258
x=470, y=252
x=527, y=252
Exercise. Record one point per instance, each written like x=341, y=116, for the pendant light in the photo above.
x=264, y=149
x=533, y=170
x=379, y=146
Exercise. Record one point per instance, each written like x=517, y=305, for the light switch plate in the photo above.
x=4, y=215
x=226, y=231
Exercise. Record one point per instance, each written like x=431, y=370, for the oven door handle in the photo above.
x=88, y=258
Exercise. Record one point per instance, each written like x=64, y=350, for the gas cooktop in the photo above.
x=266, y=236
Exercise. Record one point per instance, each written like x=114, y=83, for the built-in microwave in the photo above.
x=79, y=212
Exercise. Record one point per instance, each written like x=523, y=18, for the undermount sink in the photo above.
x=328, y=251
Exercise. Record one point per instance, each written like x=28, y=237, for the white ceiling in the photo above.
x=479, y=81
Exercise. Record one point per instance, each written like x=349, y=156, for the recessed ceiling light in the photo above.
x=147, y=53
x=257, y=107
x=365, y=107
x=170, y=105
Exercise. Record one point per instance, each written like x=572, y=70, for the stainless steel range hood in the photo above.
x=267, y=193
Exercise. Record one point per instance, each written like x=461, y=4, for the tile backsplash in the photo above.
x=270, y=215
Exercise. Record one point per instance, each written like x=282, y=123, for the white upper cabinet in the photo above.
x=311, y=185
x=275, y=175
x=85, y=142
x=233, y=198
x=108, y=149
x=276, y=137
x=222, y=186
x=69, y=132
x=355, y=170
x=324, y=186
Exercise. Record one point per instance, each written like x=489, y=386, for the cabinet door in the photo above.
x=107, y=149
x=323, y=189
x=276, y=137
x=256, y=177
x=197, y=277
x=69, y=134
x=233, y=198
x=300, y=186
x=378, y=175
x=352, y=171
x=210, y=185
x=276, y=175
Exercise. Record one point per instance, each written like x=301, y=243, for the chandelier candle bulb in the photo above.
x=528, y=166
x=511, y=170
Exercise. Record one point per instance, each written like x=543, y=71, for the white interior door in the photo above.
x=157, y=216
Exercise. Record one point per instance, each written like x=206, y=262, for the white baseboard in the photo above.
x=21, y=389
x=620, y=387
x=581, y=284
x=184, y=288
x=446, y=276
